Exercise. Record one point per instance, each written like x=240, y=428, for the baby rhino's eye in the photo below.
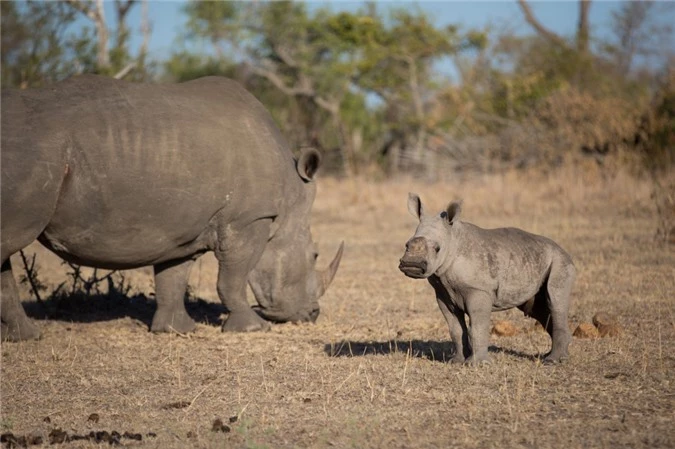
x=437, y=247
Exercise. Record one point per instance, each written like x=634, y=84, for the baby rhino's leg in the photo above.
x=458, y=331
x=479, y=306
x=558, y=288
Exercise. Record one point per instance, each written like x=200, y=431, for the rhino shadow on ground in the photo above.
x=439, y=351
x=81, y=308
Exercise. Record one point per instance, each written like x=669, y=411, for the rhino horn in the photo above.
x=326, y=276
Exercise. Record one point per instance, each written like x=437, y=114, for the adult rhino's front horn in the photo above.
x=326, y=276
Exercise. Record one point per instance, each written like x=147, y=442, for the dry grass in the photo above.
x=371, y=371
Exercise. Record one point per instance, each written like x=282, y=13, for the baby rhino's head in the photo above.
x=433, y=239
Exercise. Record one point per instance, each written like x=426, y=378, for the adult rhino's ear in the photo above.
x=308, y=163
x=453, y=211
x=415, y=205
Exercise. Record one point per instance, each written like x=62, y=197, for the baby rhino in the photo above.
x=476, y=271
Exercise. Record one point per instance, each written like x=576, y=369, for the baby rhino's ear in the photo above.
x=453, y=211
x=415, y=205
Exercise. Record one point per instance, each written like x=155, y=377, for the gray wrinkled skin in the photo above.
x=476, y=271
x=119, y=175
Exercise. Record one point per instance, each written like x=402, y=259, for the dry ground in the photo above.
x=372, y=372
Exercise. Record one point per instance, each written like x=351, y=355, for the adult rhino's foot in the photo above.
x=478, y=360
x=172, y=321
x=245, y=321
x=554, y=359
x=20, y=330
x=458, y=358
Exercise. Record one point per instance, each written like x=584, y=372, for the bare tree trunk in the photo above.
x=95, y=12
x=346, y=147
x=582, y=27
x=420, y=150
x=122, y=9
x=146, y=29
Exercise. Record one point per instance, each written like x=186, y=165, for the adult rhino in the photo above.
x=118, y=175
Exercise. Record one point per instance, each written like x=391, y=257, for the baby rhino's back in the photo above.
x=519, y=261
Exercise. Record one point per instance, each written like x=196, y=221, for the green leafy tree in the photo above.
x=40, y=44
x=338, y=73
x=33, y=36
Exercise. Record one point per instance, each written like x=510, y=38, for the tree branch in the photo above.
x=279, y=83
x=123, y=8
x=146, y=28
x=125, y=71
x=543, y=31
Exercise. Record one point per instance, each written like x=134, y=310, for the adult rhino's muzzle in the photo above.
x=310, y=312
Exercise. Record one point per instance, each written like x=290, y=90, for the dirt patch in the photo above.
x=373, y=370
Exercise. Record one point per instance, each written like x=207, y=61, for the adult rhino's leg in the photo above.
x=238, y=252
x=14, y=324
x=171, y=280
x=559, y=288
x=31, y=185
x=458, y=331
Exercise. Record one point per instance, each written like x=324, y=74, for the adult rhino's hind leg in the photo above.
x=558, y=289
x=171, y=279
x=239, y=250
x=14, y=323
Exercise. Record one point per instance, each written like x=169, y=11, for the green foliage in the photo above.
x=335, y=73
x=40, y=46
x=33, y=51
x=185, y=66
x=358, y=83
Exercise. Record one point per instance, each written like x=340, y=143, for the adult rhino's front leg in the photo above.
x=171, y=280
x=14, y=323
x=238, y=252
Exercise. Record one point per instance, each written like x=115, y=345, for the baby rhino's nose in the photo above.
x=417, y=246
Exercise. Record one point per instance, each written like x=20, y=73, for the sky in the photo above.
x=167, y=18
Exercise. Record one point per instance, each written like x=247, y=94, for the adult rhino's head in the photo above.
x=433, y=241
x=286, y=282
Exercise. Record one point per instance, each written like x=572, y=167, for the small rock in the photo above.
x=102, y=436
x=177, y=405
x=93, y=417
x=47, y=419
x=602, y=318
x=218, y=426
x=609, y=330
x=115, y=437
x=7, y=437
x=234, y=419
x=57, y=436
x=606, y=325
x=504, y=328
x=586, y=330
x=34, y=439
x=133, y=436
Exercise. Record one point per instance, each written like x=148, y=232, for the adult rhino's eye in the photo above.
x=437, y=247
